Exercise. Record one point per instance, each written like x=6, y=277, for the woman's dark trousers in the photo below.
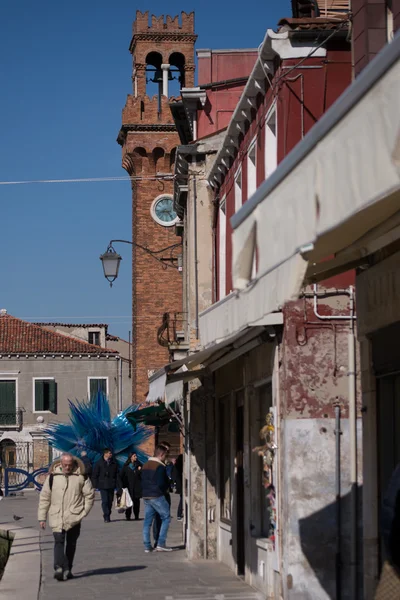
x=135, y=507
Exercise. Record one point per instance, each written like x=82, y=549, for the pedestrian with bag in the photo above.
x=155, y=484
x=67, y=497
x=105, y=479
x=130, y=478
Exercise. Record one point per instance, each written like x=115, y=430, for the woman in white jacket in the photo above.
x=66, y=498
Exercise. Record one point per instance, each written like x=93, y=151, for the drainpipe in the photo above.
x=351, y=317
x=196, y=274
x=338, y=557
x=353, y=450
x=120, y=383
x=205, y=499
x=188, y=498
x=351, y=378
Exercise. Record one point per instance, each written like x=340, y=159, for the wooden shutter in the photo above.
x=102, y=386
x=8, y=403
x=52, y=396
x=97, y=385
x=39, y=394
x=93, y=387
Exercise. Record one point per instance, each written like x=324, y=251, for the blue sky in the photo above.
x=65, y=72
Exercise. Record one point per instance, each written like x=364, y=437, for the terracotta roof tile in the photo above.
x=21, y=337
x=83, y=325
x=313, y=23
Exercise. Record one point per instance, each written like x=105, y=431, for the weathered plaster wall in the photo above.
x=314, y=379
x=309, y=508
x=203, y=475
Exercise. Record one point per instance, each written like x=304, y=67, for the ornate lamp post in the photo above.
x=111, y=259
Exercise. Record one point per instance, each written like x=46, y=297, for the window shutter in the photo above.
x=93, y=387
x=7, y=402
x=39, y=395
x=102, y=387
x=97, y=385
x=53, y=396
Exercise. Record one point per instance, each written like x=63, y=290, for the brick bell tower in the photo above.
x=163, y=63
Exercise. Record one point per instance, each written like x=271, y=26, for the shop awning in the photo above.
x=166, y=384
x=338, y=184
x=156, y=416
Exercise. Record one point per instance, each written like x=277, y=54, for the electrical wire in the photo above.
x=169, y=177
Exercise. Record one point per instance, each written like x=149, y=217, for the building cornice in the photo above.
x=274, y=45
x=125, y=129
x=58, y=355
x=162, y=37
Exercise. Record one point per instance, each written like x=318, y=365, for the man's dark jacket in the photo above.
x=105, y=474
x=155, y=482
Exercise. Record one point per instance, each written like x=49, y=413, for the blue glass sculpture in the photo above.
x=92, y=429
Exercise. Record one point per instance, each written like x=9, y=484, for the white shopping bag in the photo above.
x=128, y=499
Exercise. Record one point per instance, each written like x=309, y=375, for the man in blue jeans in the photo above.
x=155, y=485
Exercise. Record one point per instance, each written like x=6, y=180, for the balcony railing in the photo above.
x=11, y=420
x=172, y=330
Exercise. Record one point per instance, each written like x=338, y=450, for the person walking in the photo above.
x=155, y=484
x=104, y=478
x=177, y=477
x=88, y=465
x=67, y=497
x=157, y=518
x=130, y=477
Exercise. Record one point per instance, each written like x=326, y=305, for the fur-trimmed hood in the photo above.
x=79, y=467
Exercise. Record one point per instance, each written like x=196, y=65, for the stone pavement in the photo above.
x=110, y=563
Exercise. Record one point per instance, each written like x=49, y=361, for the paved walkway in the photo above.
x=110, y=563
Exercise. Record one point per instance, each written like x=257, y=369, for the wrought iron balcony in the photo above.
x=11, y=420
x=172, y=331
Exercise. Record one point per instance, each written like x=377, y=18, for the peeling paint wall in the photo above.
x=313, y=379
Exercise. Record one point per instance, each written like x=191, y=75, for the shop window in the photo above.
x=225, y=460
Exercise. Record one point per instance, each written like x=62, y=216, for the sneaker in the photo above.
x=179, y=519
x=68, y=575
x=163, y=549
x=148, y=550
x=58, y=574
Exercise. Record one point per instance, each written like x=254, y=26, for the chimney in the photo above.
x=3, y=312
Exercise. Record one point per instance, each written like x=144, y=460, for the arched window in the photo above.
x=172, y=159
x=158, y=156
x=140, y=159
x=153, y=74
x=177, y=73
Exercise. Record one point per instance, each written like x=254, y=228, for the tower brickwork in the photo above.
x=162, y=50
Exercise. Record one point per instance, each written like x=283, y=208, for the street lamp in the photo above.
x=111, y=259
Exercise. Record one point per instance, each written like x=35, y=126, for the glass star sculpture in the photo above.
x=92, y=429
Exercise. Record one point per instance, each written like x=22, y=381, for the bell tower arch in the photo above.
x=162, y=50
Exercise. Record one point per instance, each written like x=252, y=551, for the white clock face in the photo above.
x=163, y=212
